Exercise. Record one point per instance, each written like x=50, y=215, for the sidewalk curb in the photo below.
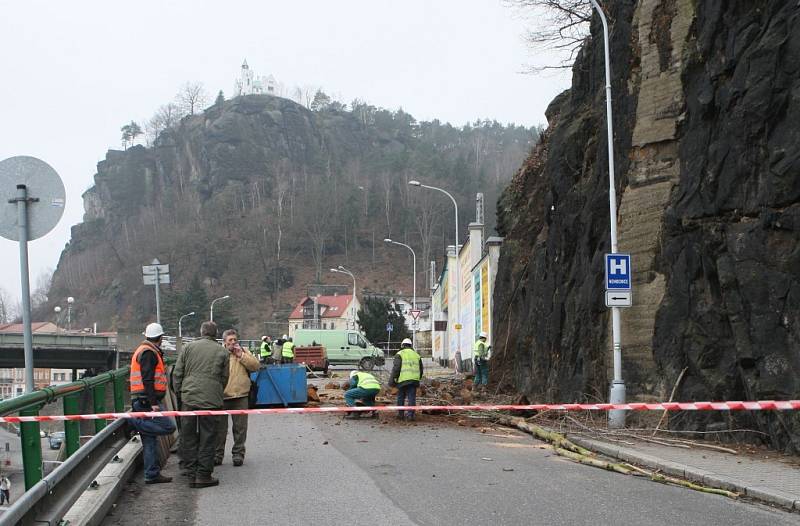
x=707, y=478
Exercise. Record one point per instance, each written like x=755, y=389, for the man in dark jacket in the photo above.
x=148, y=382
x=200, y=376
x=406, y=374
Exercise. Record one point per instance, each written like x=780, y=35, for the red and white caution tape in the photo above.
x=763, y=405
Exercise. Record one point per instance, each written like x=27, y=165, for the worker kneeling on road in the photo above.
x=287, y=352
x=236, y=396
x=406, y=374
x=363, y=387
x=148, y=388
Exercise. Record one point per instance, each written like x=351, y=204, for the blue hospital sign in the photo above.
x=618, y=271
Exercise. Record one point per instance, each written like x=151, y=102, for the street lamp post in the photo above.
x=414, y=300
x=458, y=265
x=211, y=317
x=342, y=270
x=57, y=310
x=180, y=321
x=70, y=301
x=616, y=418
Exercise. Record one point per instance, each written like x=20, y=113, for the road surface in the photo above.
x=319, y=469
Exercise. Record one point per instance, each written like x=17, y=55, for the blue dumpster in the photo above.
x=281, y=385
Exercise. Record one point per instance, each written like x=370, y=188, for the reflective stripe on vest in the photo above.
x=160, y=376
x=264, y=350
x=479, y=349
x=410, y=367
x=367, y=381
x=287, y=351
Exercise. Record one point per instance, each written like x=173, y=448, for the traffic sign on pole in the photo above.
x=618, y=272
x=619, y=298
x=415, y=313
x=389, y=327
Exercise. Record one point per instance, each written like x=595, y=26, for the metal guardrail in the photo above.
x=31, y=403
x=51, y=498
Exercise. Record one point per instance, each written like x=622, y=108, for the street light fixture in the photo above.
x=180, y=321
x=70, y=301
x=414, y=301
x=458, y=265
x=616, y=418
x=211, y=317
x=342, y=270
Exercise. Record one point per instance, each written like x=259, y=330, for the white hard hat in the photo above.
x=263, y=338
x=284, y=337
x=407, y=341
x=154, y=330
x=483, y=335
x=353, y=373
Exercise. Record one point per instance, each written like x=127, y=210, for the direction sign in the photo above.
x=618, y=272
x=619, y=298
x=155, y=267
x=415, y=313
x=150, y=279
x=389, y=327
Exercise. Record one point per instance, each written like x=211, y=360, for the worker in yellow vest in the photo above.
x=148, y=388
x=266, y=348
x=287, y=352
x=364, y=388
x=406, y=374
x=480, y=355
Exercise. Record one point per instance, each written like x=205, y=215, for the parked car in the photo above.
x=56, y=439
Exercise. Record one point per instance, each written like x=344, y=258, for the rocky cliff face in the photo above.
x=258, y=196
x=707, y=128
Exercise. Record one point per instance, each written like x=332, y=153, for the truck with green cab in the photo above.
x=343, y=347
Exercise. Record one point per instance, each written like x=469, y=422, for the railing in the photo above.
x=30, y=405
x=59, y=340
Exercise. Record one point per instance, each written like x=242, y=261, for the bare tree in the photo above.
x=166, y=116
x=192, y=97
x=42, y=288
x=559, y=25
x=316, y=224
x=426, y=214
x=6, y=307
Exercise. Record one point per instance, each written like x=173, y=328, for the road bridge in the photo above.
x=61, y=351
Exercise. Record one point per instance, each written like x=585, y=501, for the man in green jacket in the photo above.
x=200, y=377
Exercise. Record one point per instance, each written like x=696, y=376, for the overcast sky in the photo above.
x=74, y=72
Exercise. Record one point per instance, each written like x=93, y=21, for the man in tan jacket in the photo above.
x=236, y=395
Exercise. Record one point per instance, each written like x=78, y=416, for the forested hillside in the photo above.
x=259, y=196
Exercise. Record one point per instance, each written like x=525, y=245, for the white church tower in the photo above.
x=244, y=84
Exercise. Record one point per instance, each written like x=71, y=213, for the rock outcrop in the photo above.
x=258, y=196
x=707, y=139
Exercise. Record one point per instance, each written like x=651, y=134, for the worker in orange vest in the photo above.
x=148, y=388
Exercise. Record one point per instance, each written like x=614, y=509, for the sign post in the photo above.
x=156, y=273
x=37, y=196
x=389, y=329
x=618, y=294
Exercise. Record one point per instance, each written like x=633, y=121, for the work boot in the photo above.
x=160, y=479
x=401, y=416
x=204, y=481
x=238, y=461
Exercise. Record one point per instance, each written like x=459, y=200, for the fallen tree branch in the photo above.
x=663, y=479
x=556, y=439
x=671, y=398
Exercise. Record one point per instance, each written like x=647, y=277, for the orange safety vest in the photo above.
x=160, y=378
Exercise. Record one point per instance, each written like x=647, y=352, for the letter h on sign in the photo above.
x=618, y=272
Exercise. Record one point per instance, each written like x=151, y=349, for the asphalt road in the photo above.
x=322, y=470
